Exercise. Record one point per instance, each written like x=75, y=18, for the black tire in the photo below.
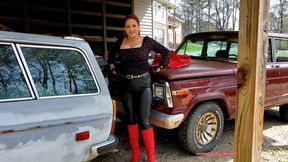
x=195, y=125
x=283, y=112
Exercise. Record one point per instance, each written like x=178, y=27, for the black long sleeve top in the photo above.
x=134, y=61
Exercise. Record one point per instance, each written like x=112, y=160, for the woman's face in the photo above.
x=131, y=28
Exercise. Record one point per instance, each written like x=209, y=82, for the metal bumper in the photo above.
x=105, y=147
x=165, y=120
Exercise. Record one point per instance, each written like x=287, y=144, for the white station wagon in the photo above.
x=54, y=101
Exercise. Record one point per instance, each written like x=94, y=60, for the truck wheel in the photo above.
x=283, y=112
x=202, y=128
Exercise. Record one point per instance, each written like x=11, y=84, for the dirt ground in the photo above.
x=274, y=146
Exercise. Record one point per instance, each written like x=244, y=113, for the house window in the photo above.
x=159, y=35
x=159, y=13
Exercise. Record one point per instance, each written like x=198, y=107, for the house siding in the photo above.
x=143, y=9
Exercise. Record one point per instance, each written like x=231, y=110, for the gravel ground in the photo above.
x=274, y=146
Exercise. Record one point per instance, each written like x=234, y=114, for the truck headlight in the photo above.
x=158, y=91
x=163, y=92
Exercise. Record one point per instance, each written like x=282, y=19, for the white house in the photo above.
x=158, y=20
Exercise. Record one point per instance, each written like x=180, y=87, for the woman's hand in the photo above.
x=112, y=69
x=157, y=69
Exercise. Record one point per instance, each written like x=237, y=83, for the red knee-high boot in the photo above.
x=133, y=131
x=149, y=142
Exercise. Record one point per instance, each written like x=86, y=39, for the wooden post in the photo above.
x=253, y=33
x=105, y=50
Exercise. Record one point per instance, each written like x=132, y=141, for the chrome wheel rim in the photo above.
x=206, y=128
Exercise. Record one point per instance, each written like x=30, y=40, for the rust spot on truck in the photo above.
x=7, y=131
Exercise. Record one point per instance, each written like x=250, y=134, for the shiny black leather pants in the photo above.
x=136, y=98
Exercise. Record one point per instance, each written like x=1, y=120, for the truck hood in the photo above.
x=199, y=68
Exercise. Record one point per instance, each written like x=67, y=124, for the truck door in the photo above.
x=281, y=55
x=273, y=79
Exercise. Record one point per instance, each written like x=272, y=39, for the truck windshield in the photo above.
x=210, y=48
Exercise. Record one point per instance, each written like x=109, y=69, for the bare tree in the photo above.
x=224, y=11
x=236, y=8
x=188, y=15
x=279, y=11
x=208, y=15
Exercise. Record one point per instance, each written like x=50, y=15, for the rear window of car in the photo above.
x=59, y=71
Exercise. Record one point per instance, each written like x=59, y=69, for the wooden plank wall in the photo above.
x=92, y=20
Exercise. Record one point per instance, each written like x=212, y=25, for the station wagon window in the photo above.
x=281, y=50
x=58, y=72
x=12, y=81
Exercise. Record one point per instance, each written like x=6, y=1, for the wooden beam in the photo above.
x=69, y=20
x=251, y=76
x=118, y=4
x=88, y=26
x=104, y=30
x=25, y=15
x=89, y=13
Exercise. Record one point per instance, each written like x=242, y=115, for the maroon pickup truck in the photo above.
x=198, y=98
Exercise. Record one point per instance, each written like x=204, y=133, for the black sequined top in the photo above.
x=134, y=61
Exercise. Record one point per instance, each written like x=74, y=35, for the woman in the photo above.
x=129, y=61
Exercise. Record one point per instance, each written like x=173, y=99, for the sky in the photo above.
x=272, y=2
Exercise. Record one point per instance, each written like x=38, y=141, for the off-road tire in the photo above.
x=187, y=132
